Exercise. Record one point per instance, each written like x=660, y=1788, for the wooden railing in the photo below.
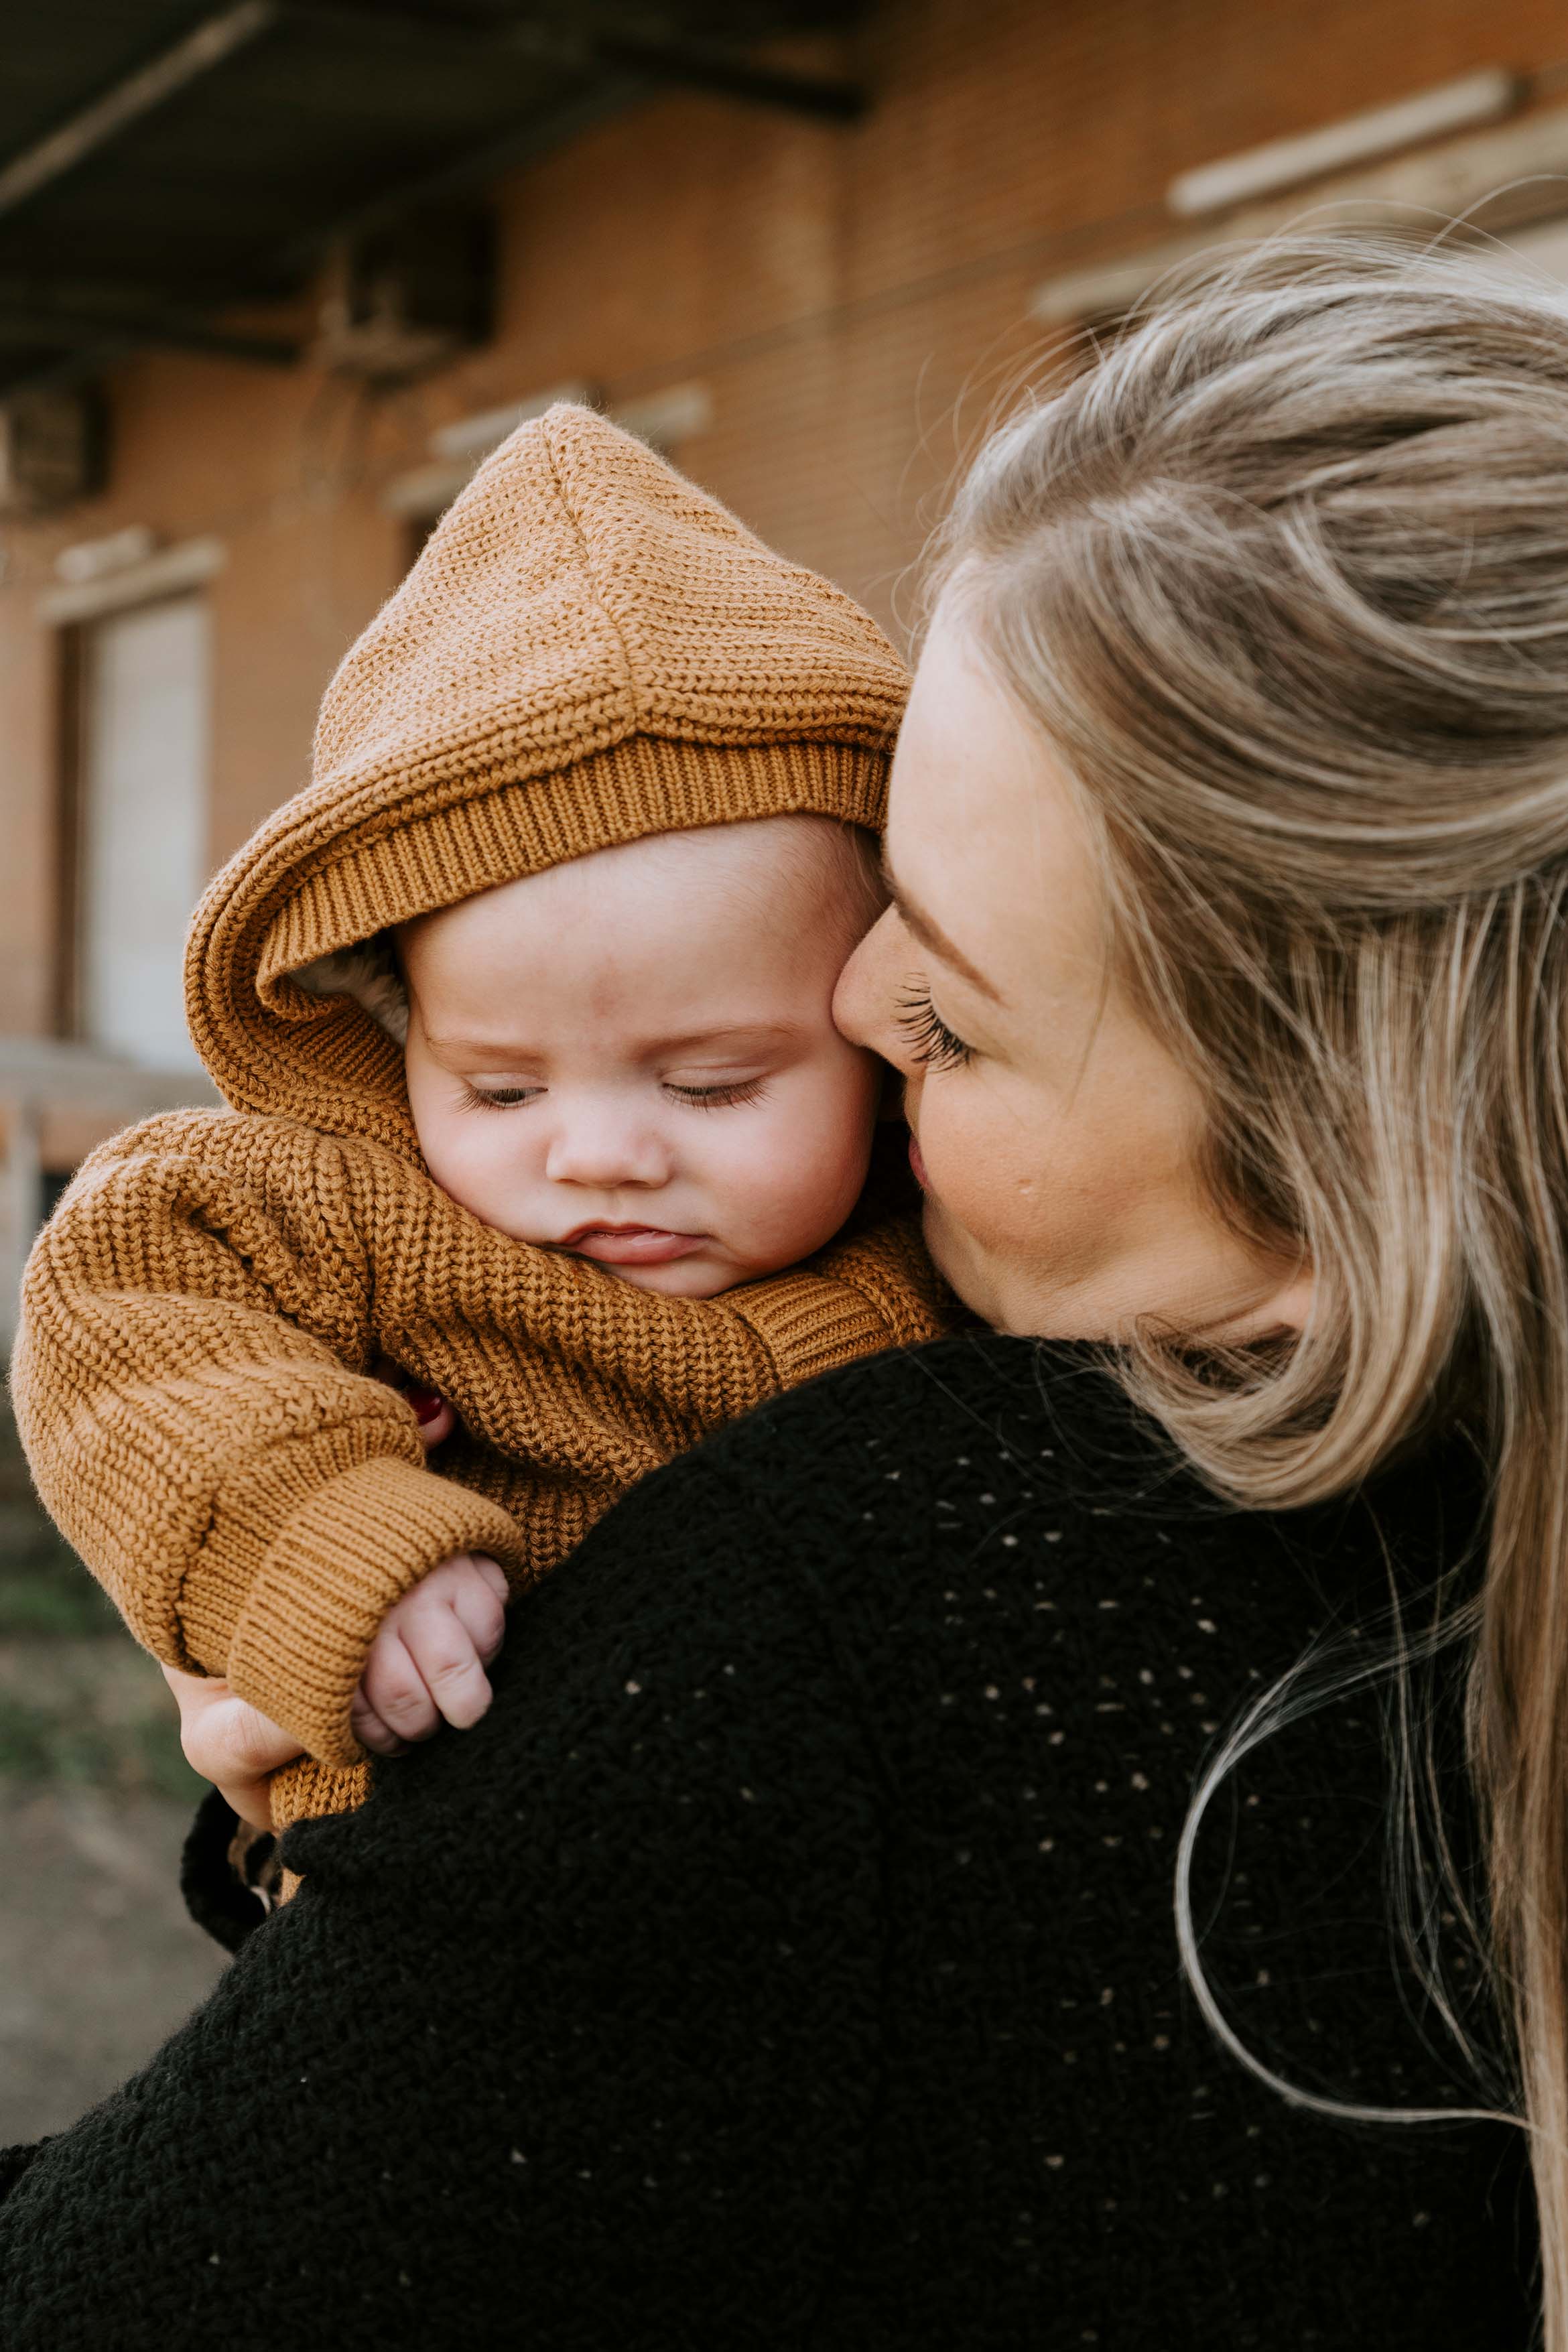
x=45, y=1077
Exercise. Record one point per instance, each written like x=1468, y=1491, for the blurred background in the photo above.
x=274, y=279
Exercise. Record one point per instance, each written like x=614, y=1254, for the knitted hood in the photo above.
x=588, y=649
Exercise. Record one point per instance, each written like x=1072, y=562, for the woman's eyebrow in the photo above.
x=930, y=935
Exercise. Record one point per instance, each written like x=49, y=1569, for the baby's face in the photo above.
x=633, y=1057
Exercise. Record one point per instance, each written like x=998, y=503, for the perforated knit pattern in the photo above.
x=787, y=1964
x=589, y=650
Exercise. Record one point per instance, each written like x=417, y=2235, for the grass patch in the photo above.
x=67, y=1746
x=89, y=1714
x=79, y=1703
x=44, y=1588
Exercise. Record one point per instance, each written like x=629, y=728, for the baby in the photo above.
x=630, y=1057
x=539, y=1127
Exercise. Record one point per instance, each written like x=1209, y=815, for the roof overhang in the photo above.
x=162, y=165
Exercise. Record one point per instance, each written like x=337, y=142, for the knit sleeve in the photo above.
x=573, y=2034
x=193, y=1388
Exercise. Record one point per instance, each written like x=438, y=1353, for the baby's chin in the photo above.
x=689, y=1277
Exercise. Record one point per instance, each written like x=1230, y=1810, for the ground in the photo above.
x=98, y=1960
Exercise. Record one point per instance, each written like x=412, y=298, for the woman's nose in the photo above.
x=862, y=1004
x=603, y=1150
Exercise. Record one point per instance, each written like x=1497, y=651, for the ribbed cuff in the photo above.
x=859, y=1297
x=308, y=1791
x=332, y=1574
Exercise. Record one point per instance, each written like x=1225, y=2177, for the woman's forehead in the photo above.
x=985, y=833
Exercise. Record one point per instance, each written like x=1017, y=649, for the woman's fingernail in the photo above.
x=426, y=1404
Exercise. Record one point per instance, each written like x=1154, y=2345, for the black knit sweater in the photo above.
x=787, y=1959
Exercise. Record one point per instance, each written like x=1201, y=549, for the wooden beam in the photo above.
x=601, y=44
x=140, y=93
x=704, y=64
x=33, y=322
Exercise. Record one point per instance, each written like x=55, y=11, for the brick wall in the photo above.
x=854, y=302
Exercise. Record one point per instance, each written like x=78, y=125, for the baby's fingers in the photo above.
x=444, y=1652
x=476, y=1594
x=428, y=1660
x=392, y=1695
x=447, y=1657
x=370, y=1730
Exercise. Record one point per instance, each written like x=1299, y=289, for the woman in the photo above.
x=789, y=1959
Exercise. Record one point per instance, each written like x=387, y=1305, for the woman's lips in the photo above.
x=630, y=1245
x=918, y=1164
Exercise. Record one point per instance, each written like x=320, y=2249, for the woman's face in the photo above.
x=1056, y=1138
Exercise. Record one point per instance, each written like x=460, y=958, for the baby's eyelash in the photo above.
x=501, y=1098
x=746, y=1090
x=931, y=1042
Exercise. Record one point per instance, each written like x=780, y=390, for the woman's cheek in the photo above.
x=970, y=1151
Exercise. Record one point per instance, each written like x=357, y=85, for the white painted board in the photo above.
x=143, y=824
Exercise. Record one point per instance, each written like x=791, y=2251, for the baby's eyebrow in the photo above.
x=731, y=1038
x=478, y=1049
x=734, y=1038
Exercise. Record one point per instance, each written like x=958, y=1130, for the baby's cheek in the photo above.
x=445, y=1154
x=470, y=1162
x=784, y=1188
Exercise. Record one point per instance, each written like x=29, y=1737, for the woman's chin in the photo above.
x=1001, y=1294
x=959, y=1263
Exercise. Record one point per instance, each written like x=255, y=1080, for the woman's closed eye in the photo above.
x=930, y=1042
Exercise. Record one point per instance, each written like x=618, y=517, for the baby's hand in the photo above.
x=428, y=1661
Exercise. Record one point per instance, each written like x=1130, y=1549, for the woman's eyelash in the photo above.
x=746, y=1090
x=931, y=1042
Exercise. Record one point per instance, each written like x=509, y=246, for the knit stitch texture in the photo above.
x=589, y=650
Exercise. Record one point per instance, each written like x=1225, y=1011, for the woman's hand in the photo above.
x=230, y=1743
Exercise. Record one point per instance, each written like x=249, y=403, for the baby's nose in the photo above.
x=604, y=1151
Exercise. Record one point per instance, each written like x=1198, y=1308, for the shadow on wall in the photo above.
x=98, y=1960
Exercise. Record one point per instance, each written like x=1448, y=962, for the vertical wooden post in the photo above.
x=24, y=1192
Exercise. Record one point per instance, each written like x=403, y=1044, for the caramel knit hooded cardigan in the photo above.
x=588, y=650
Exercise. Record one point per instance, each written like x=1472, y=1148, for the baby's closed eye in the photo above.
x=719, y=1094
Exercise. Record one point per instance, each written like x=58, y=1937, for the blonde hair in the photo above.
x=1283, y=577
